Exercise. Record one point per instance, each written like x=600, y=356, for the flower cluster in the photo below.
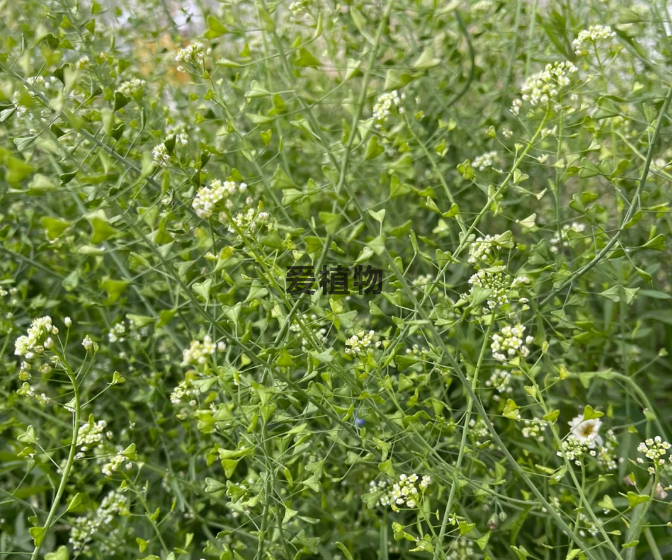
x=480, y=250
x=478, y=430
x=501, y=381
x=49, y=83
x=37, y=338
x=544, y=86
x=495, y=280
x=509, y=343
x=595, y=34
x=573, y=448
x=115, y=463
x=360, y=342
x=132, y=87
x=405, y=492
x=179, y=132
x=485, y=160
x=198, y=352
x=92, y=435
x=83, y=62
x=207, y=197
x=462, y=548
x=384, y=105
x=297, y=9
x=606, y=454
x=160, y=155
x=320, y=335
x=378, y=486
x=83, y=528
x=654, y=449
x=534, y=429
x=248, y=221
x=116, y=333
x=184, y=391
x=192, y=54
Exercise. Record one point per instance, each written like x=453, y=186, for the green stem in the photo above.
x=463, y=444
x=68, y=465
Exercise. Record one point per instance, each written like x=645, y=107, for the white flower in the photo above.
x=131, y=87
x=82, y=62
x=485, y=160
x=32, y=343
x=87, y=343
x=544, y=86
x=68, y=322
x=360, y=343
x=160, y=155
x=595, y=34
x=509, y=343
x=384, y=104
x=207, y=197
x=586, y=430
x=194, y=54
x=198, y=352
x=654, y=449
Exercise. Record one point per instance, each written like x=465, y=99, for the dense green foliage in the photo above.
x=504, y=163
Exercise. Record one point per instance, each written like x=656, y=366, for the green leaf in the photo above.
x=656, y=244
x=344, y=550
x=396, y=79
x=482, y=541
x=330, y=221
x=635, y=499
x=54, y=227
x=378, y=216
x=612, y=294
x=281, y=180
x=203, y=288
x=387, y=468
x=256, y=91
x=466, y=527
x=305, y=59
x=607, y=503
x=558, y=475
x=114, y=288
x=38, y=534
x=289, y=513
x=427, y=60
x=373, y=149
x=589, y=413
x=60, y=554
x=23, y=143
x=215, y=28
x=377, y=245
x=17, y=169
x=102, y=230
x=120, y=100
x=552, y=416
x=74, y=502
x=511, y=410
x=397, y=188
x=212, y=485
x=28, y=436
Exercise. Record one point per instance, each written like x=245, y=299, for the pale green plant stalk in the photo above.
x=69, y=462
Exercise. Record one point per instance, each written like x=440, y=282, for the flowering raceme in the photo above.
x=545, y=86
x=595, y=35
x=207, y=197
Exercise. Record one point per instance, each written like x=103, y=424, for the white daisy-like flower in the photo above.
x=586, y=430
